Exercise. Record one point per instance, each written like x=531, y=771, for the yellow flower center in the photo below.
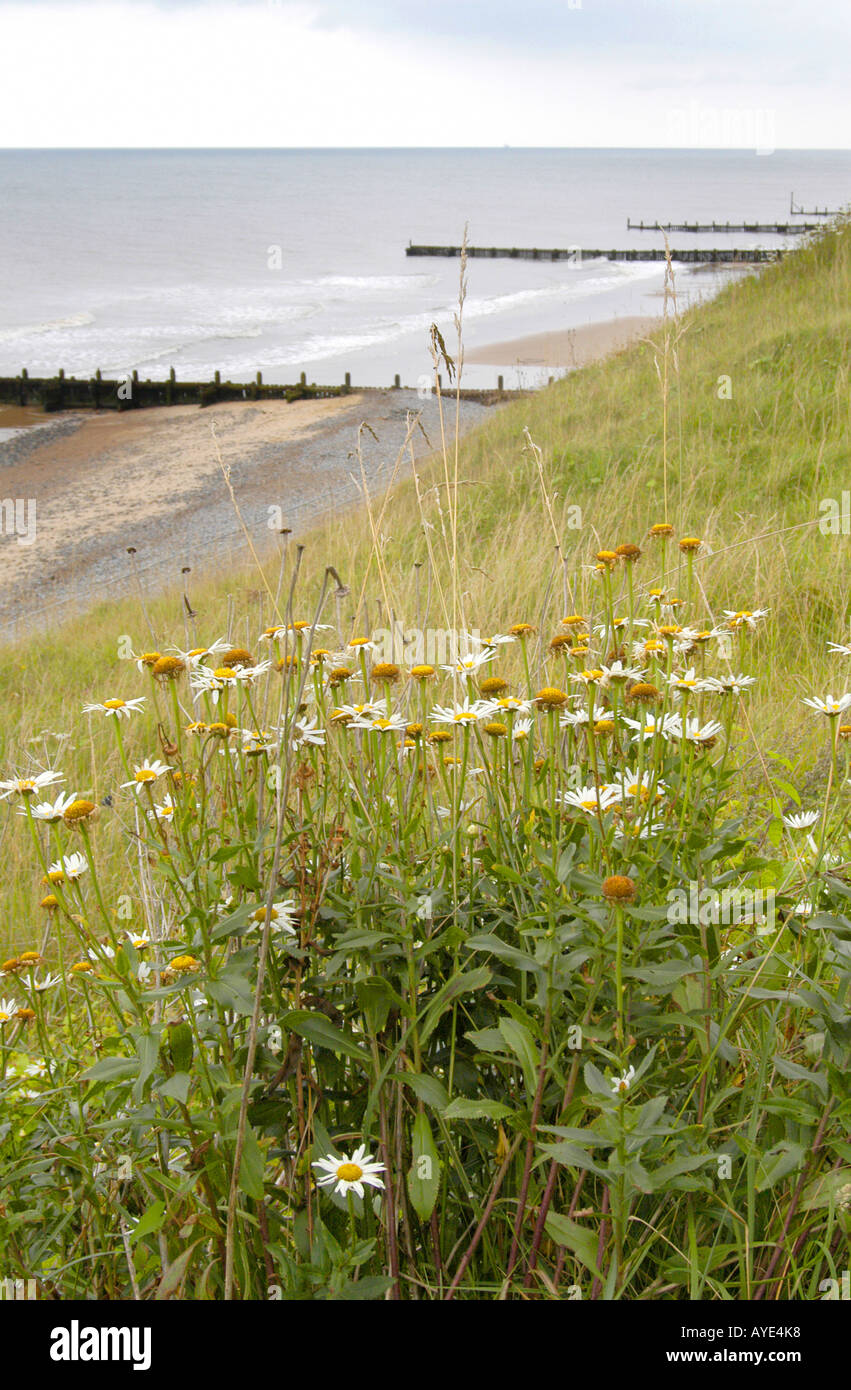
x=113, y=704
x=349, y=1172
x=146, y=775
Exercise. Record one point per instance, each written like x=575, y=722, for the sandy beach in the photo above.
x=95, y=484
x=572, y=347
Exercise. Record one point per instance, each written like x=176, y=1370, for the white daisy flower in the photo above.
x=350, y=1174
x=30, y=982
x=146, y=773
x=307, y=731
x=729, y=685
x=370, y=709
x=380, y=723
x=744, y=617
x=800, y=820
x=508, y=704
x=460, y=714
x=830, y=705
x=27, y=786
x=51, y=811
x=622, y=1083
x=628, y=786
x=838, y=649
x=470, y=662
x=652, y=725
x=8, y=1009
x=692, y=731
x=689, y=683
x=499, y=639
x=589, y=798
x=618, y=674
x=139, y=940
x=121, y=709
x=167, y=809
x=72, y=867
x=282, y=916
x=522, y=729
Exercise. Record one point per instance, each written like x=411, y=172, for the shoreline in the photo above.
x=95, y=484
x=569, y=347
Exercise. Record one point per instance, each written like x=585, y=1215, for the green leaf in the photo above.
x=320, y=1031
x=176, y=1087
x=112, y=1069
x=521, y=1043
x=149, y=1222
x=578, y=1239
x=428, y=1089
x=521, y=960
x=794, y=1072
x=424, y=1173
x=464, y=1109
x=783, y=1159
x=173, y=1276
x=252, y=1166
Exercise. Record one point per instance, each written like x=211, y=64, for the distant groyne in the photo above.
x=577, y=254
x=129, y=392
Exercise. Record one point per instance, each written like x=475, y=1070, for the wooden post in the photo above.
x=303, y=378
x=259, y=378
x=348, y=381
x=397, y=382
x=22, y=392
x=500, y=386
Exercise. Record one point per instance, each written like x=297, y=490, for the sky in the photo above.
x=338, y=73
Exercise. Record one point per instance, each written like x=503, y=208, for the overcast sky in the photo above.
x=426, y=72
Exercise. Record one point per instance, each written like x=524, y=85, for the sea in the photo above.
x=294, y=261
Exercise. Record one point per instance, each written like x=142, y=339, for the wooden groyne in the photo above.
x=810, y=212
x=63, y=392
x=576, y=254
x=755, y=228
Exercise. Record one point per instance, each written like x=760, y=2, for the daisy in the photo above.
x=281, y=916
x=461, y=714
x=167, y=810
x=689, y=683
x=521, y=730
x=51, y=811
x=508, y=704
x=350, y=1174
x=574, y=718
x=8, y=1009
x=381, y=723
x=72, y=867
x=308, y=731
x=589, y=798
x=30, y=982
x=651, y=725
x=629, y=786
x=622, y=1083
x=838, y=649
x=466, y=664
x=744, y=617
x=618, y=674
x=138, y=941
x=800, y=820
x=729, y=685
x=146, y=773
x=370, y=709
x=195, y=655
x=499, y=639
x=829, y=705
x=692, y=731
x=121, y=709
x=26, y=786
